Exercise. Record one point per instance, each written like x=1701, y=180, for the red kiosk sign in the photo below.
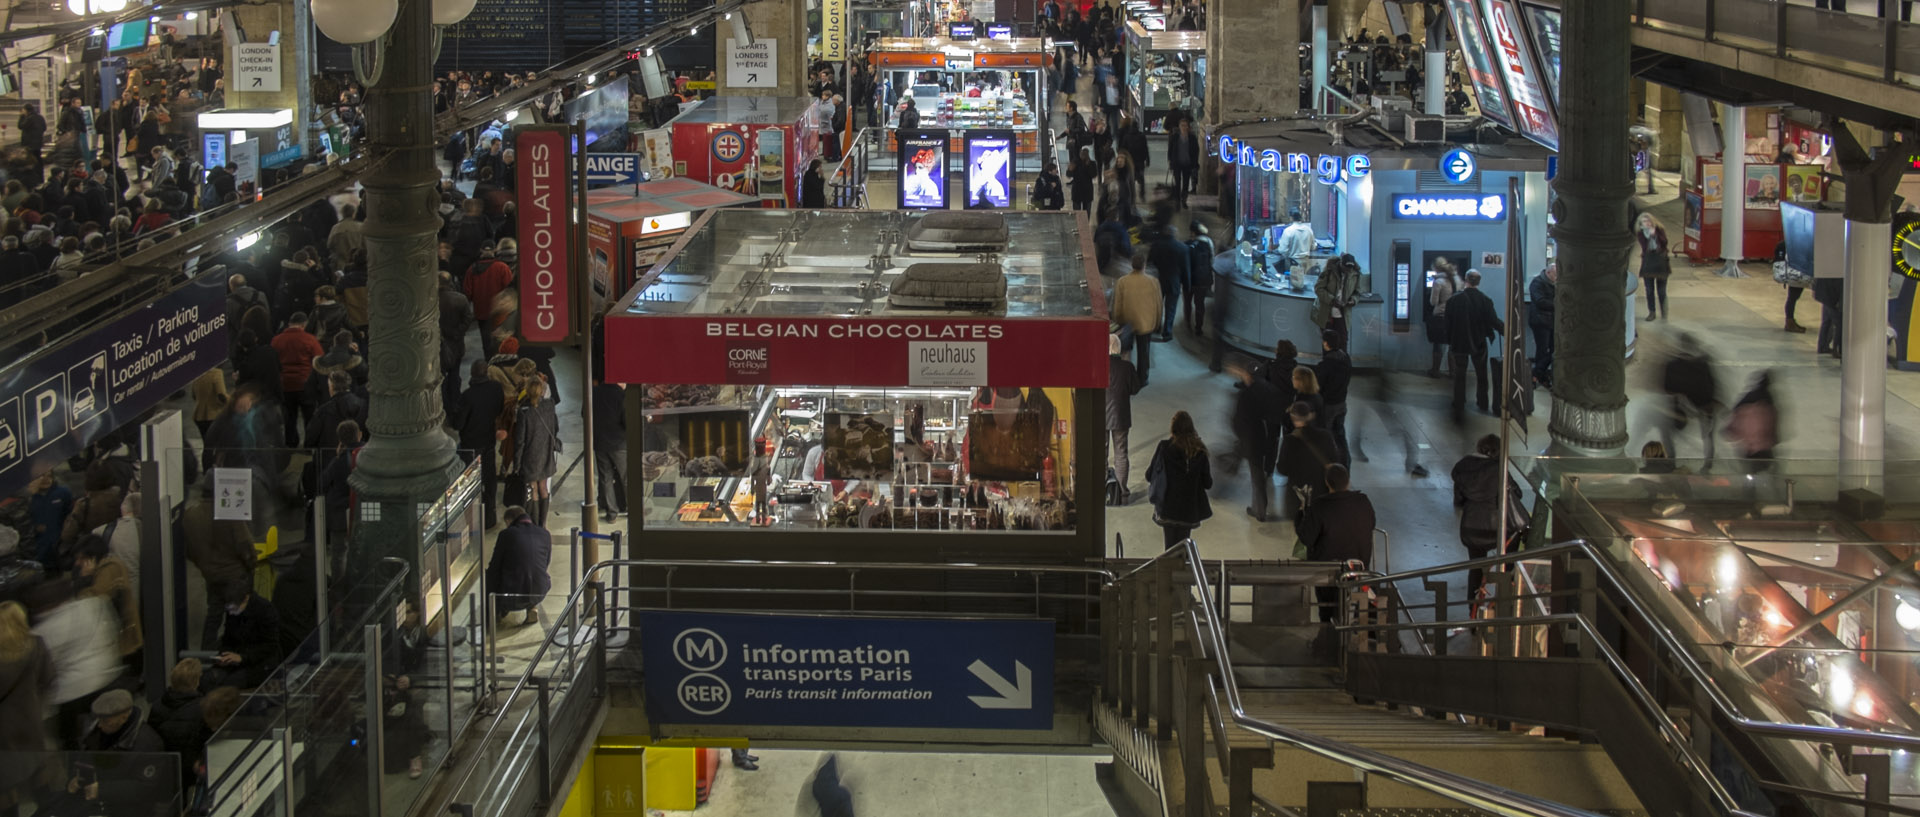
x=546, y=230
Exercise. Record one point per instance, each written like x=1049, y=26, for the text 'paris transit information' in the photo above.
x=707, y=668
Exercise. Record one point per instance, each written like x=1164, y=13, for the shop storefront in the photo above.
x=629, y=229
x=756, y=146
x=960, y=85
x=797, y=391
x=1395, y=210
x=1166, y=73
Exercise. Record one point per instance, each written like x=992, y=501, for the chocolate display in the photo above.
x=859, y=446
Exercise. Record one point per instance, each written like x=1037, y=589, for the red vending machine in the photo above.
x=758, y=146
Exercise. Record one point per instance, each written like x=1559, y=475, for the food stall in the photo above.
x=631, y=227
x=1166, y=72
x=1766, y=185
x=753, y=145
x=969, y=84
x=1389, y=206
x=815, y=381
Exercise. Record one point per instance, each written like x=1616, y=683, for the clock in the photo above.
x=1906, y=246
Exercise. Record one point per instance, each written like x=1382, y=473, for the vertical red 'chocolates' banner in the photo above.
x=545, y=168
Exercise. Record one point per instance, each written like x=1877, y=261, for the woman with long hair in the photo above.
x=26, y=673
x=1306, y=388
x=1178, y=481
x=1445, y=282
x=536, y=445
x=1654, y=265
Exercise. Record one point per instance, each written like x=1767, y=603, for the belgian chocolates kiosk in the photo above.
x=867, y=385
x=1395, y=208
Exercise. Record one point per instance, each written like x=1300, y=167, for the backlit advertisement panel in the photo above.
x=989, y=169
x=923, y=169
x=1545, y=24
x=1479, y=59
x=1526, y=86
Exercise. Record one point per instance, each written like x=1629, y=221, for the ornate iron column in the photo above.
x=408, y=460
x=1591, y=230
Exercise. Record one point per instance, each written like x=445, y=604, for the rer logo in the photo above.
x=702, y=651
x=729, y=146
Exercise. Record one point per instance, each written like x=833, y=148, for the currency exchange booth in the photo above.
x=865, y=385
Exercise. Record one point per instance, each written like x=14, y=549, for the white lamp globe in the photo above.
x=448, y=12
x=352, y=22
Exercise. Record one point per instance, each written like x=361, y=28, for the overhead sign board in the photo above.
x=546, y=232
x=753, y=66
x=256, y=68
x=53, y=406
x=1526, y=86
x=833, y=30
x=765, y=670
x=1479, y=61
x=605, y=169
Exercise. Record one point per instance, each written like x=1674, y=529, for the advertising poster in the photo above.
x=1545, y=23
x=1479, y=59
x=989, y=169
x=923, y=170
x=657, y=146
x=1796, y=231
x=727, y=160
x=1526, y=86
x=1693, y=214
x=770, y=163
x=1763, y=187
x=1710, y=184
x=1803, y=183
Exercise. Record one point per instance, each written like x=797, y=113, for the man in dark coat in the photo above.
x=249, y=640
x=1540, y=295
x=1168, y=255
x=1133, y=140
x=1122, y=384
x=1338, y=527
x=1335, y=374
x=342, y=402
x=1472, y=321
x=1259, y=414
x=518, y=573
x=610, y=446
x=33, y=131
x=473, y=419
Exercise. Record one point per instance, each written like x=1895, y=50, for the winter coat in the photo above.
x=1122, y=384
x=1476, y=492
x=518, y=570
x=83, y=638
x=1179, y=485
x=209, y=395
x=24, y=684
x=346, y=238
x=1168, y=255
x=1305, y=454
x=1136, y=303
x=112, y=581
x=1338, y=527
x=1335, y=374
x=135, y=736
x=1471, y=322
x=254, y=635
x=536, y=441
x=1200, y=265
x=1540, y=295
x=1339, y=286
x=1654, y=262
x=297, y=348
x=221, y=549
x=96, y=508
x=323, y=431
x=485, y=280
x=474, y=418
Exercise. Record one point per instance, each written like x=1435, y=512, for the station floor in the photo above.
x=979, y=785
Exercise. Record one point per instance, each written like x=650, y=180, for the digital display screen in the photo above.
x=1796, y=230
x=127, y=36
x=999, y=31
x=1526, y=89
x=989, y=169
x=604, y=111
x=923, y=169
x=961, y=31
x=1473, y=43
x=1545, y=23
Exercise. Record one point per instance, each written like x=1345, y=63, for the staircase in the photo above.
x=1575, y=774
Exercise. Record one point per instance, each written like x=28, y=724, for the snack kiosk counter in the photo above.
x=629, y=228
x=958, y=85
x=885, y=385
x=748, y=144
x=1166, y=73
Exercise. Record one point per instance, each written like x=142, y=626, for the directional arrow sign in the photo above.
x=741, y=670
x=1018, y=695
x=612, y=168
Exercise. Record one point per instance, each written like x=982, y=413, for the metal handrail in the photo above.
x=1639, y=691
x=1476, y=793
x=589, y=580
x=1680, y=649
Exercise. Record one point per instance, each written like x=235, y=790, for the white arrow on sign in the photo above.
x=1011, y=696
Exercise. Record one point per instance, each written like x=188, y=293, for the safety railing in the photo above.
x=1881, y=46
x=1668, y=670
x=847, y=187
x=1187, y=687
x=540, y=720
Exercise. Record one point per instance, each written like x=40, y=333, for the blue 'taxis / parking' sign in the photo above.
x=612, y=168
x=765, y=670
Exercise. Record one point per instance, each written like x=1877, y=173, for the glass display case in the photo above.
x=784, y=384
x=1166, y=73
x=968, y=84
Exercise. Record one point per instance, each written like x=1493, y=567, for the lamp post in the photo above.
x=408, y=460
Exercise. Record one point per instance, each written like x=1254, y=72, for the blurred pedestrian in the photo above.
x=1335, y=376
x=1831, y=294
x=82, y=637
x=1178, y=479
x=610, y=446
x=1688, y=381
x=1122, y=385
x=26, y=678
x=1755, y=424
x=1169, y=254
